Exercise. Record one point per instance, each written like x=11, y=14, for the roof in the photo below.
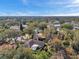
x=41, y=35
x=14, y=27
x=34, y=47
x=56, y=22
x=25, y=26
x=57, y=25
x=32, y=42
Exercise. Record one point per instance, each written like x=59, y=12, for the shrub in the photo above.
x=66, y=43
x=41, y=55
x=76, y=47
x=23, y=53
x=67, y=26
x=20, y=53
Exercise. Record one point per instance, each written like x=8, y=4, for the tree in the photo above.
x=20, y=53
x=24, y=53
x=67, y=26
x=21, y=27
x=66, y=43
x=76, y=47
x=41, y=55
x=42, y=25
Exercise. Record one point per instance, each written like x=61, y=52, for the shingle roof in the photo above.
x=31, y=42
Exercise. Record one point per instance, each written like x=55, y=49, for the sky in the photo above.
x=39, y=7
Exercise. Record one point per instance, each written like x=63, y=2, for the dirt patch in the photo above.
x=7, y=46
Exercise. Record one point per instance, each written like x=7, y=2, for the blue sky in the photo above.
x=39, y=7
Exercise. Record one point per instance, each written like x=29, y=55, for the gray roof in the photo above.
x=31, y=42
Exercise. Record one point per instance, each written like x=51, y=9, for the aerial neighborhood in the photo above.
x=47, y=38
x=39, y=29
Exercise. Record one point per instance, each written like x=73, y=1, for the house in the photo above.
x=12, y=41
x=76, y=26
x=37, y=30
x=41, y=35
x=67, y=22
x=74, y=23
x=25, y=26
x=34, y=44
x=15, y=27
x=50, y=25
x=57, y=25
x=38, y=35
x=26, y=36
x=20, y=39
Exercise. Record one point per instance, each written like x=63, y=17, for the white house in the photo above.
x=15, y=27
x=25, y=26
x=75, y=26
x=57, y=25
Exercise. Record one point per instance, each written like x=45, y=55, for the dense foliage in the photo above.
x=66, y=40
x=67, y=26
x=23, y=53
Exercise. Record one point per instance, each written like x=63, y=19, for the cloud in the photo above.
x=58, y=2
x=52, y=3
x=14, y=14
x=37, y=14
x=74, y=3
x=67, y=14
x=47, y=8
